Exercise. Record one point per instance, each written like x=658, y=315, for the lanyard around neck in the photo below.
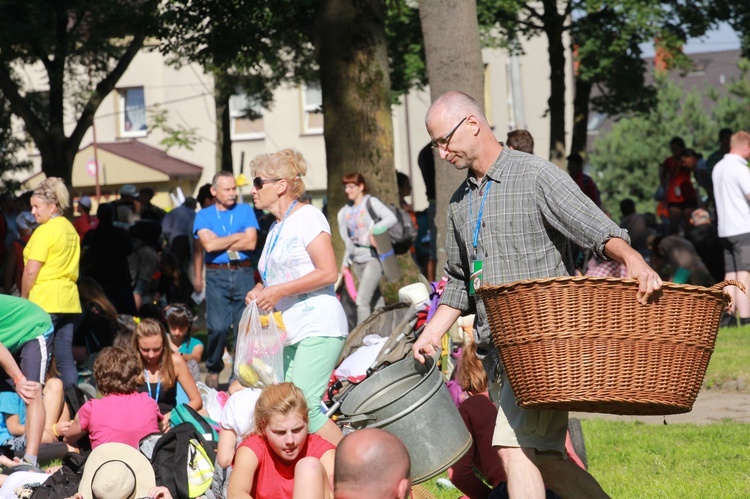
x=148, y=385
x=475, y=239
x=275, y=240
x=231, y=219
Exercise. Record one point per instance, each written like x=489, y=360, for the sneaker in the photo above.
x=212, y=381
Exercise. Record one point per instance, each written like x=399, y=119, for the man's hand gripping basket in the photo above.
x=585, y=343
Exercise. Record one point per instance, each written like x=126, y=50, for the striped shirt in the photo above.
x=531, y=212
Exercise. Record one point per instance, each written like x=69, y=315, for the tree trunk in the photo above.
x=579, y=141
x=222, y=93
x=454, y=62
x=554, y=27
x=358, y=129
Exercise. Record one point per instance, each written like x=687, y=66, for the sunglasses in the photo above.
x=259, y=182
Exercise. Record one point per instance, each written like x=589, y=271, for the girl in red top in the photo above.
x=281, y=460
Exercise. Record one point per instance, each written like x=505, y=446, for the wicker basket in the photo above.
x=585, y=343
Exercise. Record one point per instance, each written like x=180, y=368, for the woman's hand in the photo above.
x=165, y=422
x=253, y=293
x=63, y=427
x=269, y=297
x=159, y=493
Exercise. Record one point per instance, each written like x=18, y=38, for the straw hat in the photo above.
x=116, y=471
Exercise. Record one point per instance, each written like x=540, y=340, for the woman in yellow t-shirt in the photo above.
x=51, y=269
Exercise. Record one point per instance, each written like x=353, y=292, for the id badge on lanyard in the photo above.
x=475, y=278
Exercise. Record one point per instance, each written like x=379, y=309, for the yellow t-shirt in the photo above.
x=56, y=244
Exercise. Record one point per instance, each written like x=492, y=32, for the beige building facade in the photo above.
x=516, y=94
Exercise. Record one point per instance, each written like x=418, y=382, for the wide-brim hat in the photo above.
x=116, y=471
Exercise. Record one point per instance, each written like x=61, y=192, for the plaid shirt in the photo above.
x=532, y=209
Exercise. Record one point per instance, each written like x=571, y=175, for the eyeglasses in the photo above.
x=259, y=182
x=443, y=143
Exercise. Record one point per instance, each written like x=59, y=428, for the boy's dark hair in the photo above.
x=521, y=140
x=677, y=141
x=117, y=370
x=627, y=207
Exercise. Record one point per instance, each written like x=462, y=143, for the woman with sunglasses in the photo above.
x=298, y=269
x=355, y=226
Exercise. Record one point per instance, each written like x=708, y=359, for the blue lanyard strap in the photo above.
x=275, y=240
x=475, y=241
x=148, y=385
x=231, y=219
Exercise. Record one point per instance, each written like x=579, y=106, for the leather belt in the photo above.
x=230, y=265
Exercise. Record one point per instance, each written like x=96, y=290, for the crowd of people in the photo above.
x=116, y=294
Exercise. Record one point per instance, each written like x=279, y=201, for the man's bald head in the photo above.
x=371, y=463
x=454, y=106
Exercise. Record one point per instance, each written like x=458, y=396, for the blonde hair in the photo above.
x=151, y=327
x=53, y=191
x=287, y=164
x=279, y=400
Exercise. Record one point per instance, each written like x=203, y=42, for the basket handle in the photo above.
x=730, y=282
x=724, y=284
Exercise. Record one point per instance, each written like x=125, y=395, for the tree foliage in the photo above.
x=83, y=47
x=10, y=144
x=605, y=38
x=627, y=159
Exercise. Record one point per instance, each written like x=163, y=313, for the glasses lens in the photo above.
x=258, y=183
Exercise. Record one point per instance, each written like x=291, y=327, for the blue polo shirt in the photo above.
x=223, y=223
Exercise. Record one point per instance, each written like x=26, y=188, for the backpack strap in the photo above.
x=372, y=213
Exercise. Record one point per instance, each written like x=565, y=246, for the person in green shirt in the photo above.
x=26, y=339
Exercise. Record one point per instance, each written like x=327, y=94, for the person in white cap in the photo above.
x=118, y=471
x=85, y=221
x=128, y=207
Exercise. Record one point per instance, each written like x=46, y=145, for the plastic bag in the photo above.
x=259, y=358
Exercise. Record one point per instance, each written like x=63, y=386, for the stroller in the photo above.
x=396, y=326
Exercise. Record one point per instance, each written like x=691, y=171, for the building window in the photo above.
x=312, y=106
x=246, y=119
x=132, y=112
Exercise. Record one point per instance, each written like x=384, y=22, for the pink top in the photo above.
x=274, y=478
x=120, y=418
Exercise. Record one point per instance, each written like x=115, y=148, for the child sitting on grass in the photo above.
x=180, y=324
x=122, y=415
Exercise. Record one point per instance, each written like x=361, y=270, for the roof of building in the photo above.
x=151, y=157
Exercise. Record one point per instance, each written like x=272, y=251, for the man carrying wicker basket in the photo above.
x=512, y=219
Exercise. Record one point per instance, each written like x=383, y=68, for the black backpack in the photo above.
x=170, y=454
x=402, y=234
x=64, y=482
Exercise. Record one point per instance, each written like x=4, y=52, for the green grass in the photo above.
x=637, y=460
x=731, y=358
x=633, y=460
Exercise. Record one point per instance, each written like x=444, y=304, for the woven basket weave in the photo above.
x=585, y=343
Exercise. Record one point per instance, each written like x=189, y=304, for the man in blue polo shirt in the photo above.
x=228, y=232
